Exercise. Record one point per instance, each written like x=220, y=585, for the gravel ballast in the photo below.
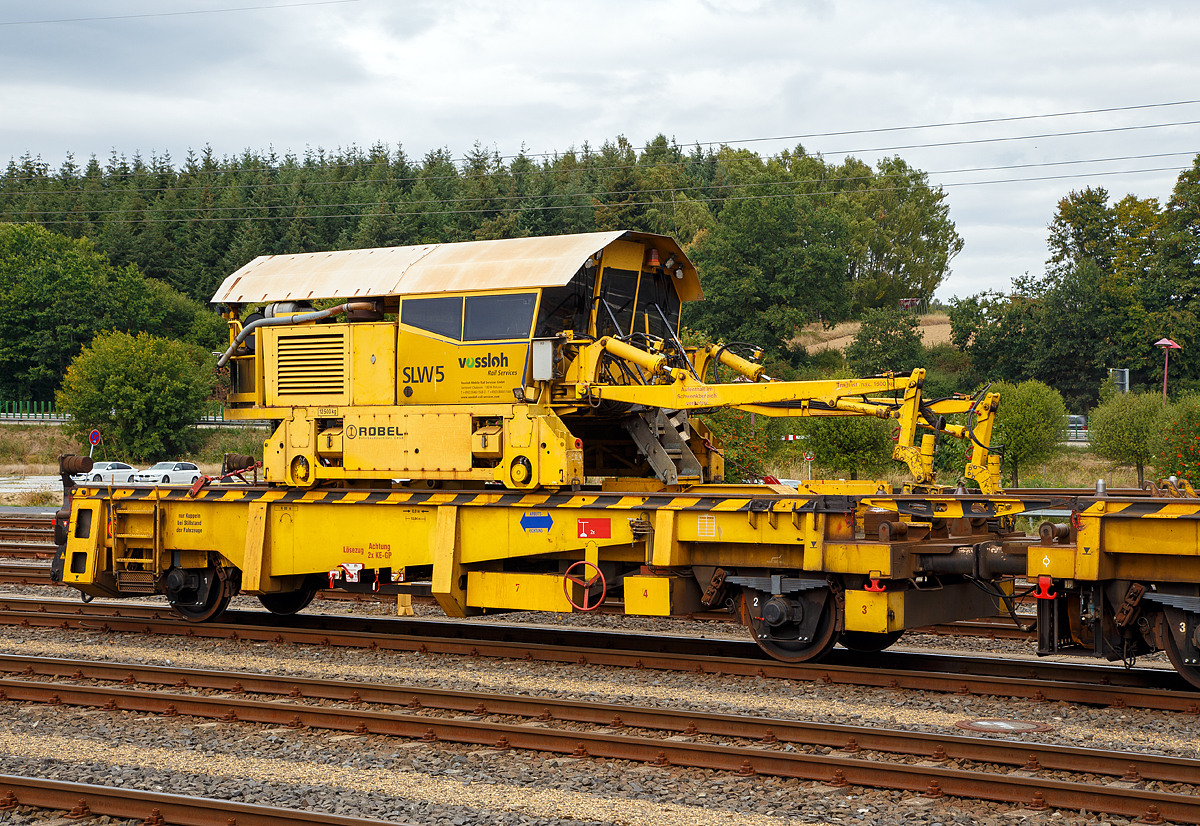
x=409, y=781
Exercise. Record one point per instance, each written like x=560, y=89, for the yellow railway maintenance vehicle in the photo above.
x=1121, y=578
x=511, y=425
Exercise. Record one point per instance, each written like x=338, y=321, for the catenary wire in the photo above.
x=558, y=207
x=261, y=185
x=588, y=154
x=642, y=192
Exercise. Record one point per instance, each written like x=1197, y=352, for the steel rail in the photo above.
x=850, y=738
x=584, y=637
x=989, y=629
x=155, y=807
x=840, y=769
x=1002, y=678
x=22, y=534
x=14, y=572
x=27, y=535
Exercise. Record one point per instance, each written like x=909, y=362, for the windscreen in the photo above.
x=657, y=290
x=617, y=289
x=568, y=307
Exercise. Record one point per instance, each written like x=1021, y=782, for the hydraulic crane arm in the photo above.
x=896, y=397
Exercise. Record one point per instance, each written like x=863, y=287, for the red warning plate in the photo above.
x=595, y=528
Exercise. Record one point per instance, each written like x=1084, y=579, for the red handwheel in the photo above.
x=587, y=584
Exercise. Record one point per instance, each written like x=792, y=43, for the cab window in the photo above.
x=657, y=290
x=437, y=315
x=617, y=289
x=498, y=317
x=568, y=307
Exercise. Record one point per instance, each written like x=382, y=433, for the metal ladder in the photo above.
x=135, y=563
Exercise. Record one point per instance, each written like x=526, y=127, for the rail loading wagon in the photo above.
x=512, y=425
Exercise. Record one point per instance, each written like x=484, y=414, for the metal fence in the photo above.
x=30, y=411
x=35, y=412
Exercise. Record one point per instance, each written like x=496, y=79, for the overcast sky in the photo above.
x=552, y=75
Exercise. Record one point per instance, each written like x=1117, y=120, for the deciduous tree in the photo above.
x=145, y=393
x=1030, y=424
x=887, y=340
x=1125, y=428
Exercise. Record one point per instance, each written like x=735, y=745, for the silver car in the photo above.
x=169, y=473
x=107, y=472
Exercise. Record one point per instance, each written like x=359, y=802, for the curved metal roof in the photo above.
x=512, y=263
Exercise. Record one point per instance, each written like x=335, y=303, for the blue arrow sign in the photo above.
x=535, y=522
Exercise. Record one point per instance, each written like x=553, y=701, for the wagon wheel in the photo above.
x=287, y=602
x=220, y=592
x=587, y=584
x=1181, y=650
x=866, y=641
x=807, y=635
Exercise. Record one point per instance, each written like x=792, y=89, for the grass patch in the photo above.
x=32, y=499
x=1078, y=467
x=218, y=441
x=24, y=444
x=1070, y=467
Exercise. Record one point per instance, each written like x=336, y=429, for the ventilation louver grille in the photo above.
x=312, y=364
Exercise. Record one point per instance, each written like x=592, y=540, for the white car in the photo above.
x=169, y=473
x=107, y=472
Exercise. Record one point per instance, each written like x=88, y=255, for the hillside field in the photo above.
x=935, y=329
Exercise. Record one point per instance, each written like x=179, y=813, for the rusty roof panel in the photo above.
x=513, y=263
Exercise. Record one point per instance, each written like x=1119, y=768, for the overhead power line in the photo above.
x=554, y=170
x=314, y=184
x=591, y=153
x=1016, y=138
x=964, y=122
x=556, y=207
x=679, y=190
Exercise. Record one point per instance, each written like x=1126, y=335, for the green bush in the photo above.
x=850, y=444
x=1126, y=427
x=143, y=394
x=745, y=448
x=1030, y=424
x=1177, y=449
x=56, y=292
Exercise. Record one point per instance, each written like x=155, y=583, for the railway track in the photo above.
x=27, y=535
x=897, y=670
x=152, y=807
x=748, y=746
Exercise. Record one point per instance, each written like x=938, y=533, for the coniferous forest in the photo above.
x=782, y=241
